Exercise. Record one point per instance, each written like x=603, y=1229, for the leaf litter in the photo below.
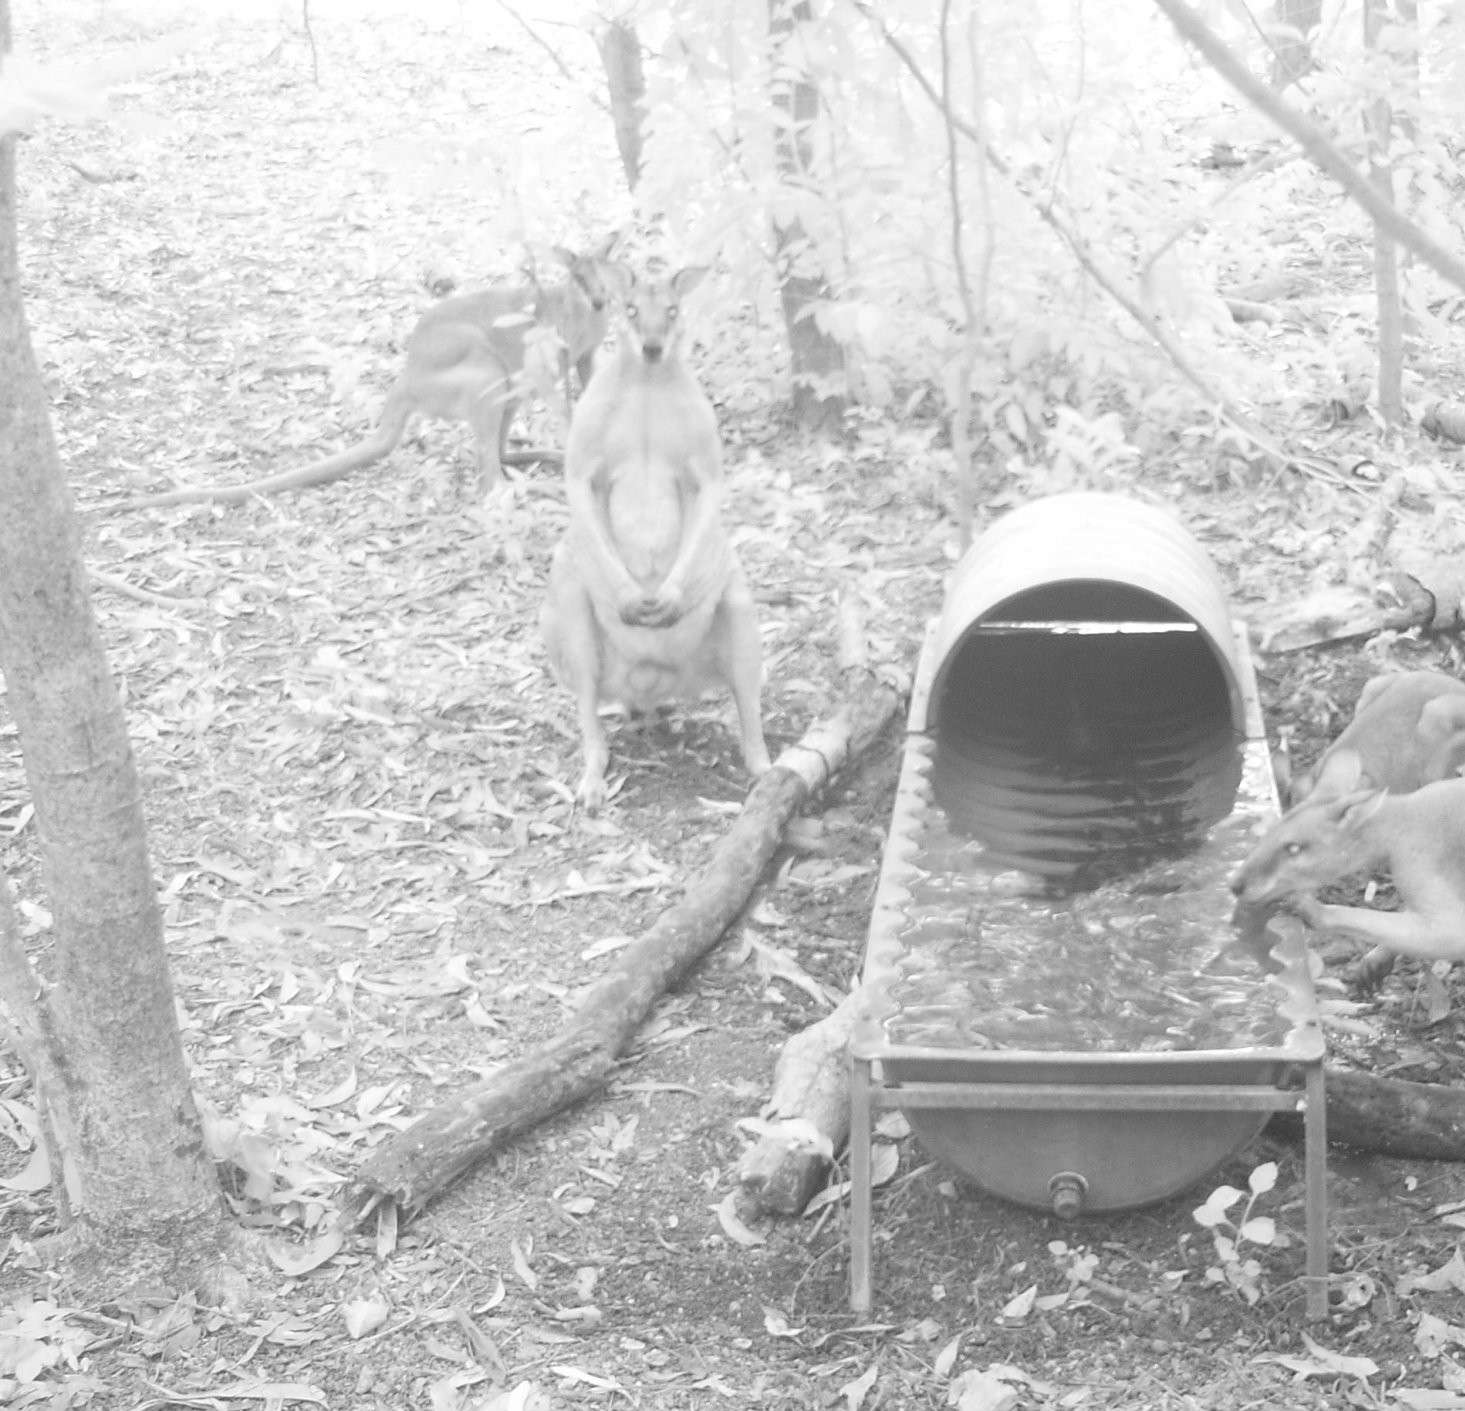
x=358, y=778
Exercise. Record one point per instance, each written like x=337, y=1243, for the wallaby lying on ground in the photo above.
x=1419, y=837
x=647, y=600
x=1408, y=729
x=466, y=360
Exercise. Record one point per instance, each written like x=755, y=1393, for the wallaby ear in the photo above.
x=1441, y=717
x=686, y=280
x=1338, y=772
x=565, y=256
x=607, y=248
x=1373, y=688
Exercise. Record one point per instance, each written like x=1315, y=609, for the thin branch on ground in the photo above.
x=142, y=595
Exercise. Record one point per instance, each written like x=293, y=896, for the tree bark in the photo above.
x=819, y=389
x=418, y=1164
x=1380, y=122
x=620, y=54
x=102, y=1037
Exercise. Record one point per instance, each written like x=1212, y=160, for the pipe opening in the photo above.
x=1084, y=728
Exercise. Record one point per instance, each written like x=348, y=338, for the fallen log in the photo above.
x=1428, y=596
x=416, y=1165
x=808, y=1116
x=805, y=1122
x=1418, y=1121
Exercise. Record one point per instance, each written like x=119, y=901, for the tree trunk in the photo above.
x=1380, y=123
x=819, y=389
x=620, y=53
x=100, y=1033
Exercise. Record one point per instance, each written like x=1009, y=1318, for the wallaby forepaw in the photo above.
x=1372, y=970
x=499, y=492
x=1308, y=908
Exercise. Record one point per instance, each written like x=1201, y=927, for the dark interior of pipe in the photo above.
x=1084, y=728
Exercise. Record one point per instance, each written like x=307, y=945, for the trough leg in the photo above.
x=861, y=1236
x=1315, y=1186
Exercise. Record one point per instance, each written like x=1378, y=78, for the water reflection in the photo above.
x=1071, y=887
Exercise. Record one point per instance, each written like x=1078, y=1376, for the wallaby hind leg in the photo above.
x=1371, y=969
x=491, y=412
x=572, y=638
x=1441, y=734
x=739, y=656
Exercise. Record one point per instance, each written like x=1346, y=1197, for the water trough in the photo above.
x=1053, y=993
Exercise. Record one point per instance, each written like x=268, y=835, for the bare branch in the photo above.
x=578, y=80
x=1312, y=140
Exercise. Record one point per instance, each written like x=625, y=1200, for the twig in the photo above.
x=310, y=39
x=577, y=80
x=1277, y=159
x=1078, y=247
x=141, y=595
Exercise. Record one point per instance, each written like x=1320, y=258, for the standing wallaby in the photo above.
x=466, y=360
x=1419, y=837
x=1408, y=729
x=647, y=600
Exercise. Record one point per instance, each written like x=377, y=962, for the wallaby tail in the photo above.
x=380, y=443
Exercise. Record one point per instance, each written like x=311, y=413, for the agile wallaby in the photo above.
x=1419, y=837
x=647, y=600
x=467, y=359
x=1408, y=729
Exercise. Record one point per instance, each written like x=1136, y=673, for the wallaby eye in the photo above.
x=1294, y=849
x=671, y=311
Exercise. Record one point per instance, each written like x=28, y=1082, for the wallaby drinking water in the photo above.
x=466, y=360
x=1408, y=729
x=647, y=600
x=1419, y=837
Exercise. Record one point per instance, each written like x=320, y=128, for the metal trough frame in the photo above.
x=1286, y=1079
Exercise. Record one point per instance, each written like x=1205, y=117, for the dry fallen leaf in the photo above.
x=365, y=1315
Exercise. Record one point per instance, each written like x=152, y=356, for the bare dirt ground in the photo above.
x=358, y=782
